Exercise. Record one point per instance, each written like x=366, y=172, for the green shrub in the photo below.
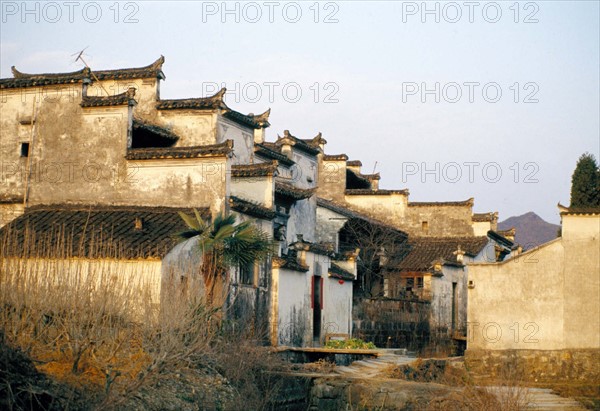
x=350, y=344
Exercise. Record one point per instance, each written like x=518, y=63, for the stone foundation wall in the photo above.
x=536, y=365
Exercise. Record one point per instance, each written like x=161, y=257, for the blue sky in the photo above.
x=368, y=74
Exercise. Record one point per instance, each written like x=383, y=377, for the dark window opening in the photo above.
x=410, y=283
x=145, y=136
x=419, y=282
x=425, y=226
x=24, y=149
x=355, y=182
x=247, y=274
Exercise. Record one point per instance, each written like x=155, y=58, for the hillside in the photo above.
x=532, y=230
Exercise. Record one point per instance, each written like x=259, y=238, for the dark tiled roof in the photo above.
x=372, y=192
x=317, y=248
x=215, y=102
x=259, y=121
x=10, y=199
x=342, y=210
x=354, y=163
x=254, y=170
x=61, y=231
x=270, y=151
x=297, y=143
x=424, y=251
x=335, y=157
x=484, y=217
x=315, y=141
x=116, y=100
x=338, y=272
x=375, y=176
x=250, y=208
x=294, y=193
x=139, y=124
x=499, y=238
x=214, y=150
x=508, y=233
x=578, y=210
x=20, y=79
x=290, y=264
x=467, y=203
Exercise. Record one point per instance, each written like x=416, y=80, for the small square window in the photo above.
x=24, y=149
x=425, y=226
x=419, y=282
x=246, y=274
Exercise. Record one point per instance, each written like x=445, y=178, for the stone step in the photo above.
x=540, y=398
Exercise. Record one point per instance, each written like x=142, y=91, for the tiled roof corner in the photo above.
x=336, y=271
x=254, y=170
x=294, y=193
x=373, y=192
x=20, y=79
x=250, y=208
x=465, y=203
x=201, y=103
x=335, y=157
x=215, y=150
x=126, y=98
x=269, y=150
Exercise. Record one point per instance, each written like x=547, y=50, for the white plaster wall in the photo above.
x=294, y=315
x=194, y=128
x=389, y=208
x=178, y=183
x=305, y=173
x=145, y=91
x=243, y=140
x=480, y=228
x=255, y=189
x=116, y=280
x=576, y=227
x=329, y=224
x=581, y=241
x=441, y=302
x=303, y=220
x=337, y=311
x=519, y=304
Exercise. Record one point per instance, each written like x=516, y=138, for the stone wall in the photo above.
x=536, y=365
x=442, y=220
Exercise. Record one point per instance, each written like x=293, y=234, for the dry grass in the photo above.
x=507, y=393
x=322, y=366
x=587, y=394
x=94, y=326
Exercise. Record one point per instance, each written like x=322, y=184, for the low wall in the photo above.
x=536, y=365
x=392, y=323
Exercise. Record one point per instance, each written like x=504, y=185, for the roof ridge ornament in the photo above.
x=262, y=119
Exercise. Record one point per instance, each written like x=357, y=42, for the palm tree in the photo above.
x=225, y=244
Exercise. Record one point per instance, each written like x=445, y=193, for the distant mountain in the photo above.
x=532, y=230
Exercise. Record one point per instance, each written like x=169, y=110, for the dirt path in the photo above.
x=537, y=398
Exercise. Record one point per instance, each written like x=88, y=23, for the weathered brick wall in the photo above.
x=392, y=323
x=536, y=365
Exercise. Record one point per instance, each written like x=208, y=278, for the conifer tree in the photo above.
x=585, y=183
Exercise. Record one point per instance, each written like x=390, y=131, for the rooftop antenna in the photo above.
x=80, y=57
x=374, y=167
